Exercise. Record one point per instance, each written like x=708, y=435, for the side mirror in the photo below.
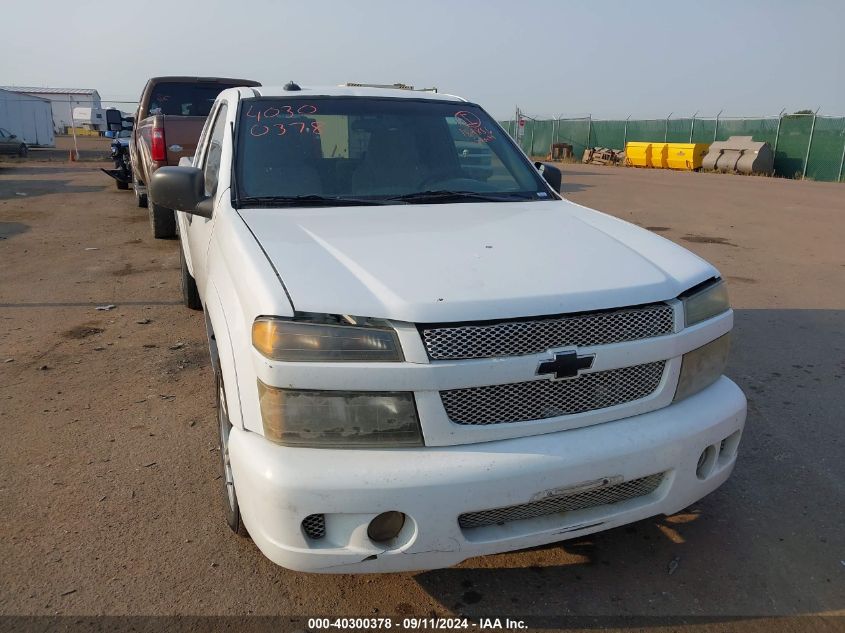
x=13, y=136
x=181, y=189
x=114, y=120
x=551, y=175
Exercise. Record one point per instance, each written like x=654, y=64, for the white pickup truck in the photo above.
x=419, y=361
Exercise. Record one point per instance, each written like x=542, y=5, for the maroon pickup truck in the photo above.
x=168, y=122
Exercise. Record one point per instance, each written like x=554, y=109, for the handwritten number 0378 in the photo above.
x=259, y=129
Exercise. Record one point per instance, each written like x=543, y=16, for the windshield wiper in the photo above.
x=305, y=201
x=420, y=197
x=454, y=196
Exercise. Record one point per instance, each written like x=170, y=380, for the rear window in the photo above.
x=185, y=99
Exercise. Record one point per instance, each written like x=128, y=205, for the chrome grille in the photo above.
x=314, y=526
x=540, y=399
x=517, y=338
x=577, y=499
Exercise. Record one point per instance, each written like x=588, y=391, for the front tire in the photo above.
x=230, y=497
x=123, y=186
x=190, y=294
x=23, y=150
x=162, y=221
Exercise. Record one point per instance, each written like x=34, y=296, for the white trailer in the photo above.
x=27, y=116
x=90, y=118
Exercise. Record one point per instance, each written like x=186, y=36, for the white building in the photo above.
x=29, y=118
x=64, y=100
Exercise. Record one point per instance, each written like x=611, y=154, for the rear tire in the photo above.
x=123, y=186
x=190, y=294
x=230, y=497
x=162, y=221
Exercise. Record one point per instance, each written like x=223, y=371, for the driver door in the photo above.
x=198, y=228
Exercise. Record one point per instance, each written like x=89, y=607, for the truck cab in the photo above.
x=170, y=116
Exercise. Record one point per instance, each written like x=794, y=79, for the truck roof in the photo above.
x=193, y=79
x=354, y=91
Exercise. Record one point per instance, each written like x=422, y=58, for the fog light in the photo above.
x=705, y=462
x=386, y=526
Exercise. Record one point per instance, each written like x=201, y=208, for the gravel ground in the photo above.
x=109, y=464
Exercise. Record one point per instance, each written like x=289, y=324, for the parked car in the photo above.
x=11, y=144
x=168, y=121
x=414, y=364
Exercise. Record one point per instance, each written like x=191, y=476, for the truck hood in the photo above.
x=466, y=262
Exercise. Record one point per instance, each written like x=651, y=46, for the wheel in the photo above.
x=230, y=497
x=162, y=221
x=23, y=150
x=190, y=294
x=140, y=198
x=123, y=186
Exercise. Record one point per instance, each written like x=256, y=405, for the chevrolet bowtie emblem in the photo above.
x=565, y=365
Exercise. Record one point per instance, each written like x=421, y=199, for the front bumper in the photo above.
x=279, y=486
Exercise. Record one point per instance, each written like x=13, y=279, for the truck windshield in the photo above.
x=356, y=150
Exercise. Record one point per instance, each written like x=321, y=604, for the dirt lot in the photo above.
x=109, y=471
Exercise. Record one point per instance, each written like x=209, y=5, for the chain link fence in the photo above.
x=805, y=145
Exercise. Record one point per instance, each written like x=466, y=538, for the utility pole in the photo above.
x=73, y=131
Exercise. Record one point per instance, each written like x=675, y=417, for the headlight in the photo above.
x=706, y=303
x=366, y=340
x=339, y=419
x=701, y=367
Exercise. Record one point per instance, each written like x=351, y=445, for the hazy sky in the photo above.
x=607, y=58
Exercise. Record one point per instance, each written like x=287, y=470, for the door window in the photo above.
x=214, y=151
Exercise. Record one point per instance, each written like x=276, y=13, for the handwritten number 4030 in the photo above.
x=274, y=112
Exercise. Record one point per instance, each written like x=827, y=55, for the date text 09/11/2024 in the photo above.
x=411, y=623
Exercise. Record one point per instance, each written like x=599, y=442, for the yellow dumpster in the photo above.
x=659, y=155
x=637, y=154
x=686, y=155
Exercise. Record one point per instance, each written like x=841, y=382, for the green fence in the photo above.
x=804, y=144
